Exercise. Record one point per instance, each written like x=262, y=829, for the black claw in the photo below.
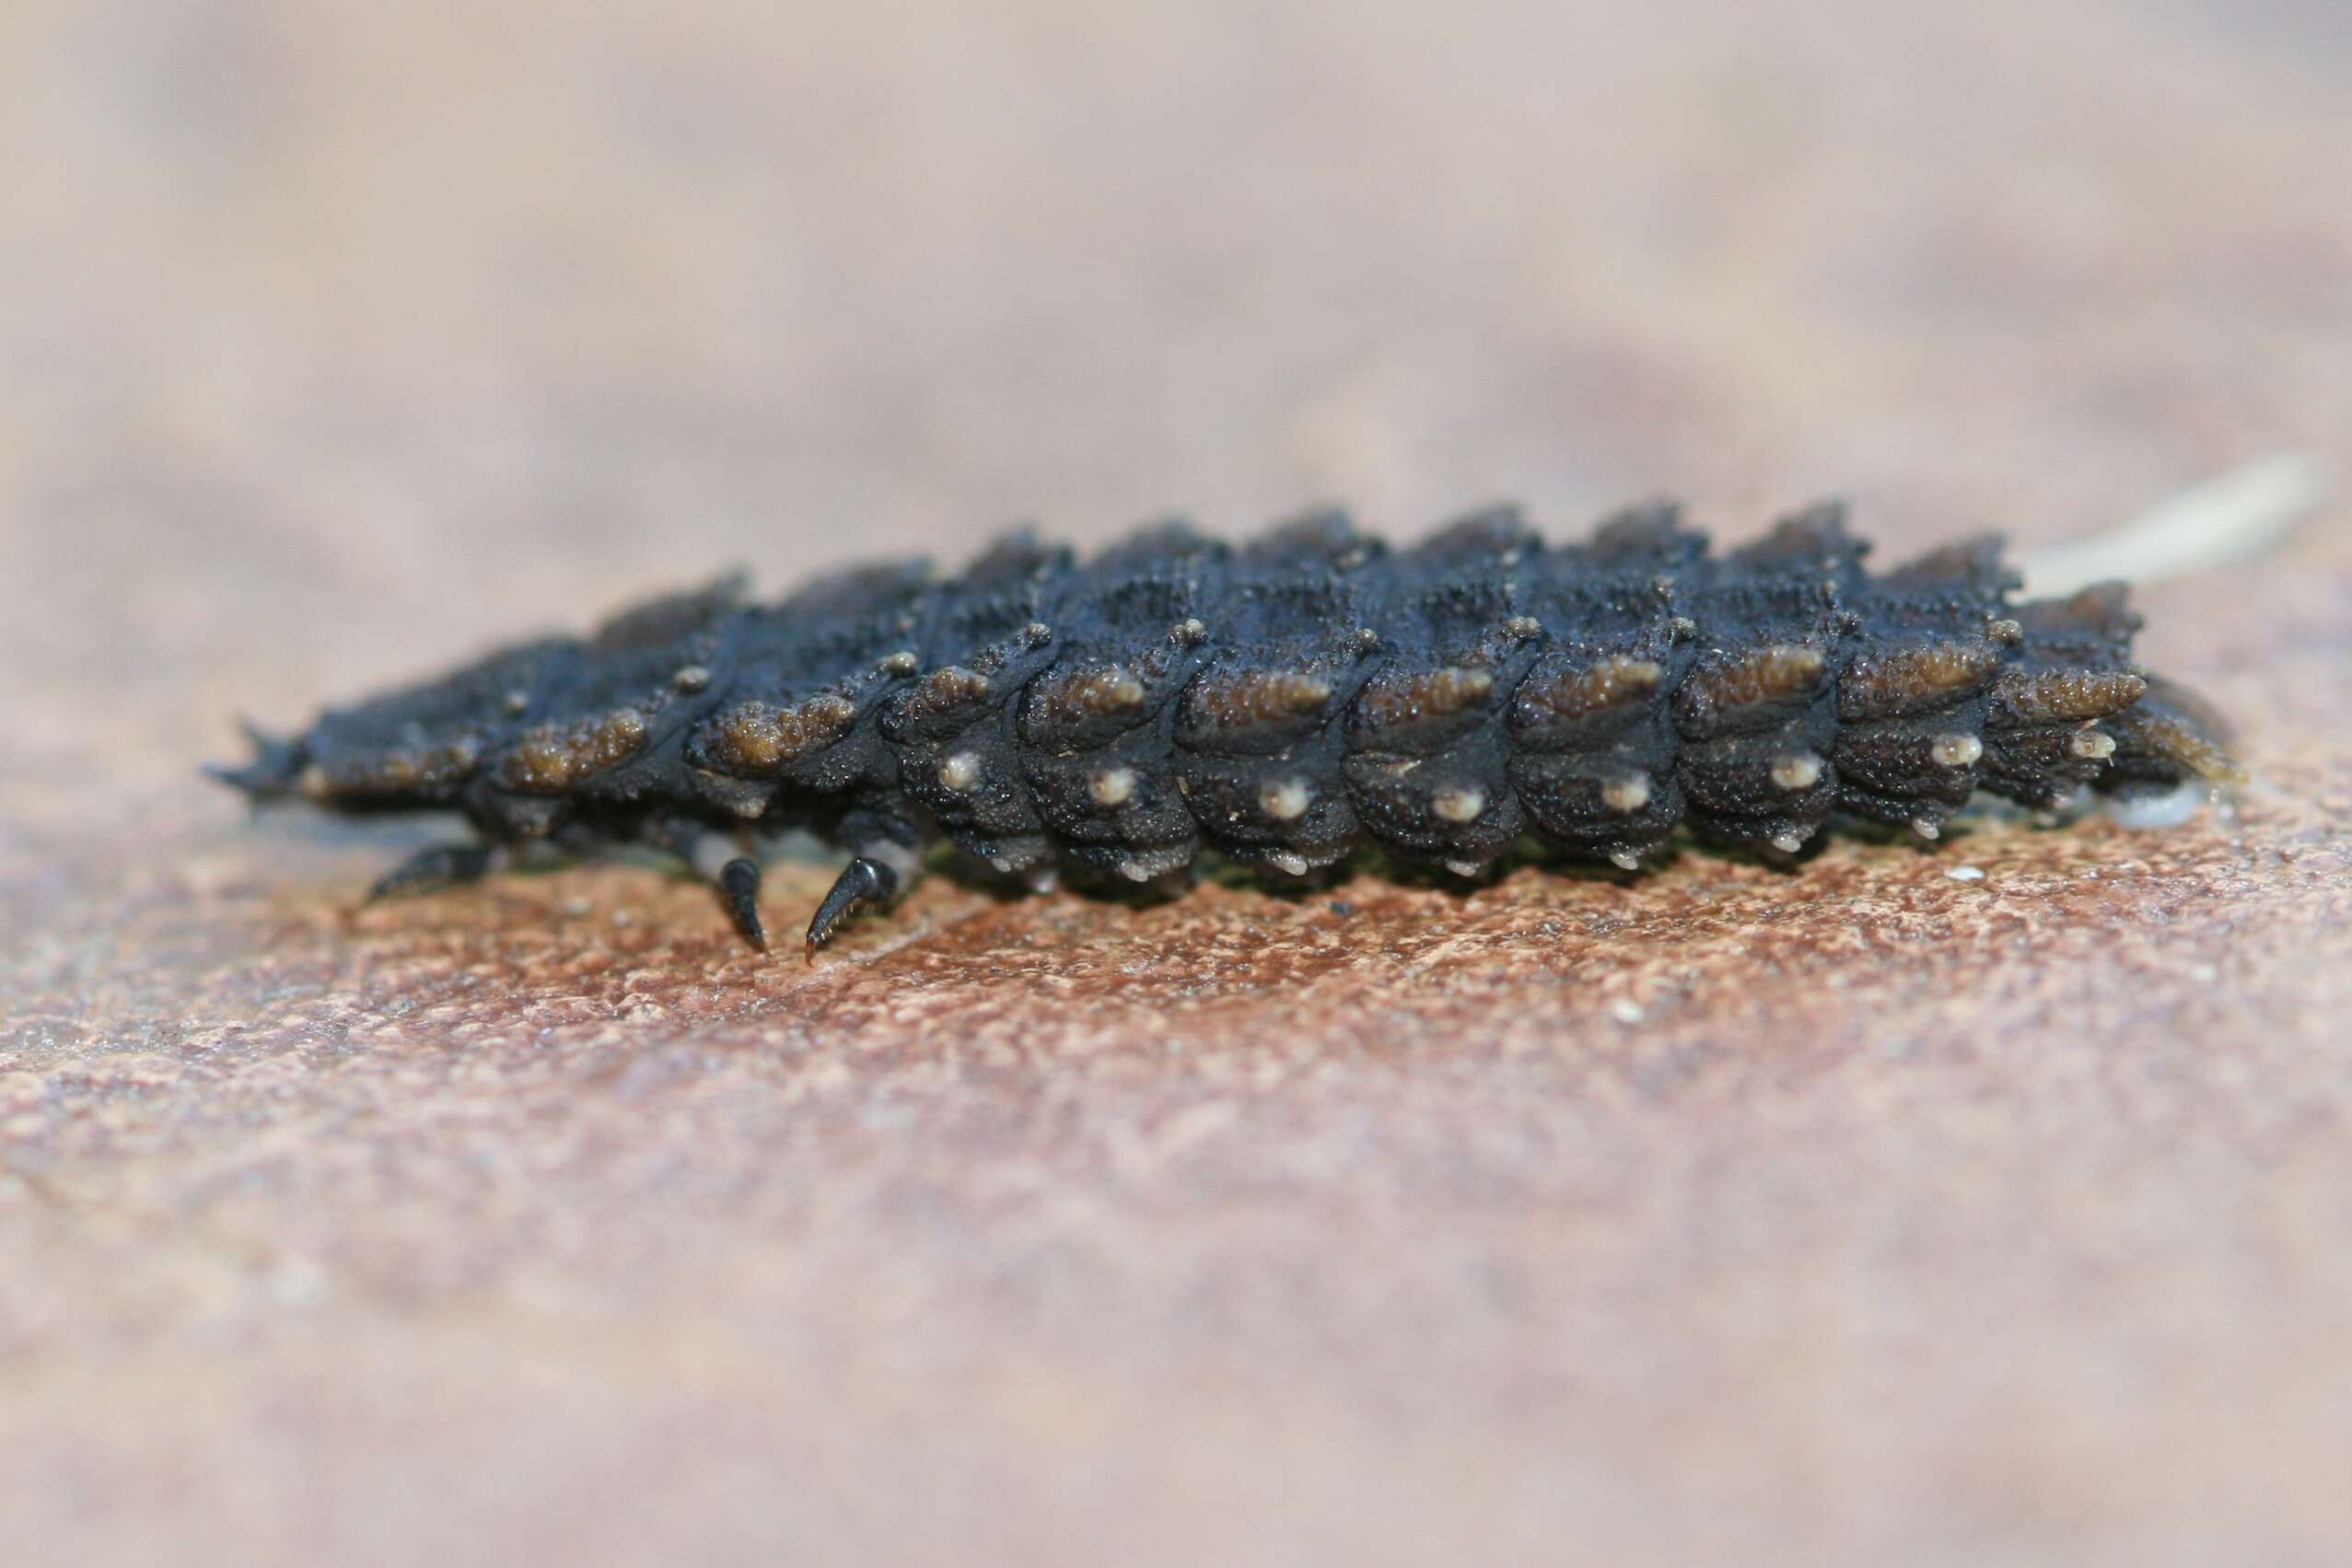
x=861, y=882
x=443, y=866
x=738, y=883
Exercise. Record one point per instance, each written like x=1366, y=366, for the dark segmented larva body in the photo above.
x=1280, y=703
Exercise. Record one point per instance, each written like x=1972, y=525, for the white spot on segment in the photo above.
x=519, y=701
x=1628, y=794
x=1465, y=868
x=1285, y=800
x=2092, y=744
x=1800, y=770
x=1043, y=878
x=1458, y=804
x=693, y=678
x=1522, y=627
x=961, y=772
x=1787, y=843
x=1966, y=873
x=1926, y=827
x=1956, y=750
x=900, y=663
x=1191, y=632
x=1151, y=864
x=1112, y=787
x=1625, y=860
x=1291, y=864
x=2168, y=808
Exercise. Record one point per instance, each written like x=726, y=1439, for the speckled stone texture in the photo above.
x=1864, y=1215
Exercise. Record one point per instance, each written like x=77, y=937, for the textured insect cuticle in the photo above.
x=1286, y=701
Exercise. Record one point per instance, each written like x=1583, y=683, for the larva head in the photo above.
x=276, y=770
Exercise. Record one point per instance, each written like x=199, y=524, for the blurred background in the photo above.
x=339, y=339
x=498, y=312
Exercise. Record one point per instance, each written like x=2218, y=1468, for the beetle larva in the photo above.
x=1279, y=703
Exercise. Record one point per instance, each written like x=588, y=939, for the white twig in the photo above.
x=2230, y=517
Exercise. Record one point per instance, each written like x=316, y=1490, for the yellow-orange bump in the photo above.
x=1576, y=693
x=1913, y=680
x=1240, y=699
x=400, y=769
x=554, y=757
x=2066, y=696
x=1767, y=674
x=1088, y=692
x=945, y=692
x=1429, y=693
x=756, y=739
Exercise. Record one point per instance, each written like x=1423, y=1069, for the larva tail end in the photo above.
x=2169, y=737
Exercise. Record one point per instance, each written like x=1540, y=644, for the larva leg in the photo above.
x=429, y=870
x=715, y=857
x=739, y=884
x=862, y=882
x=885, y=836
